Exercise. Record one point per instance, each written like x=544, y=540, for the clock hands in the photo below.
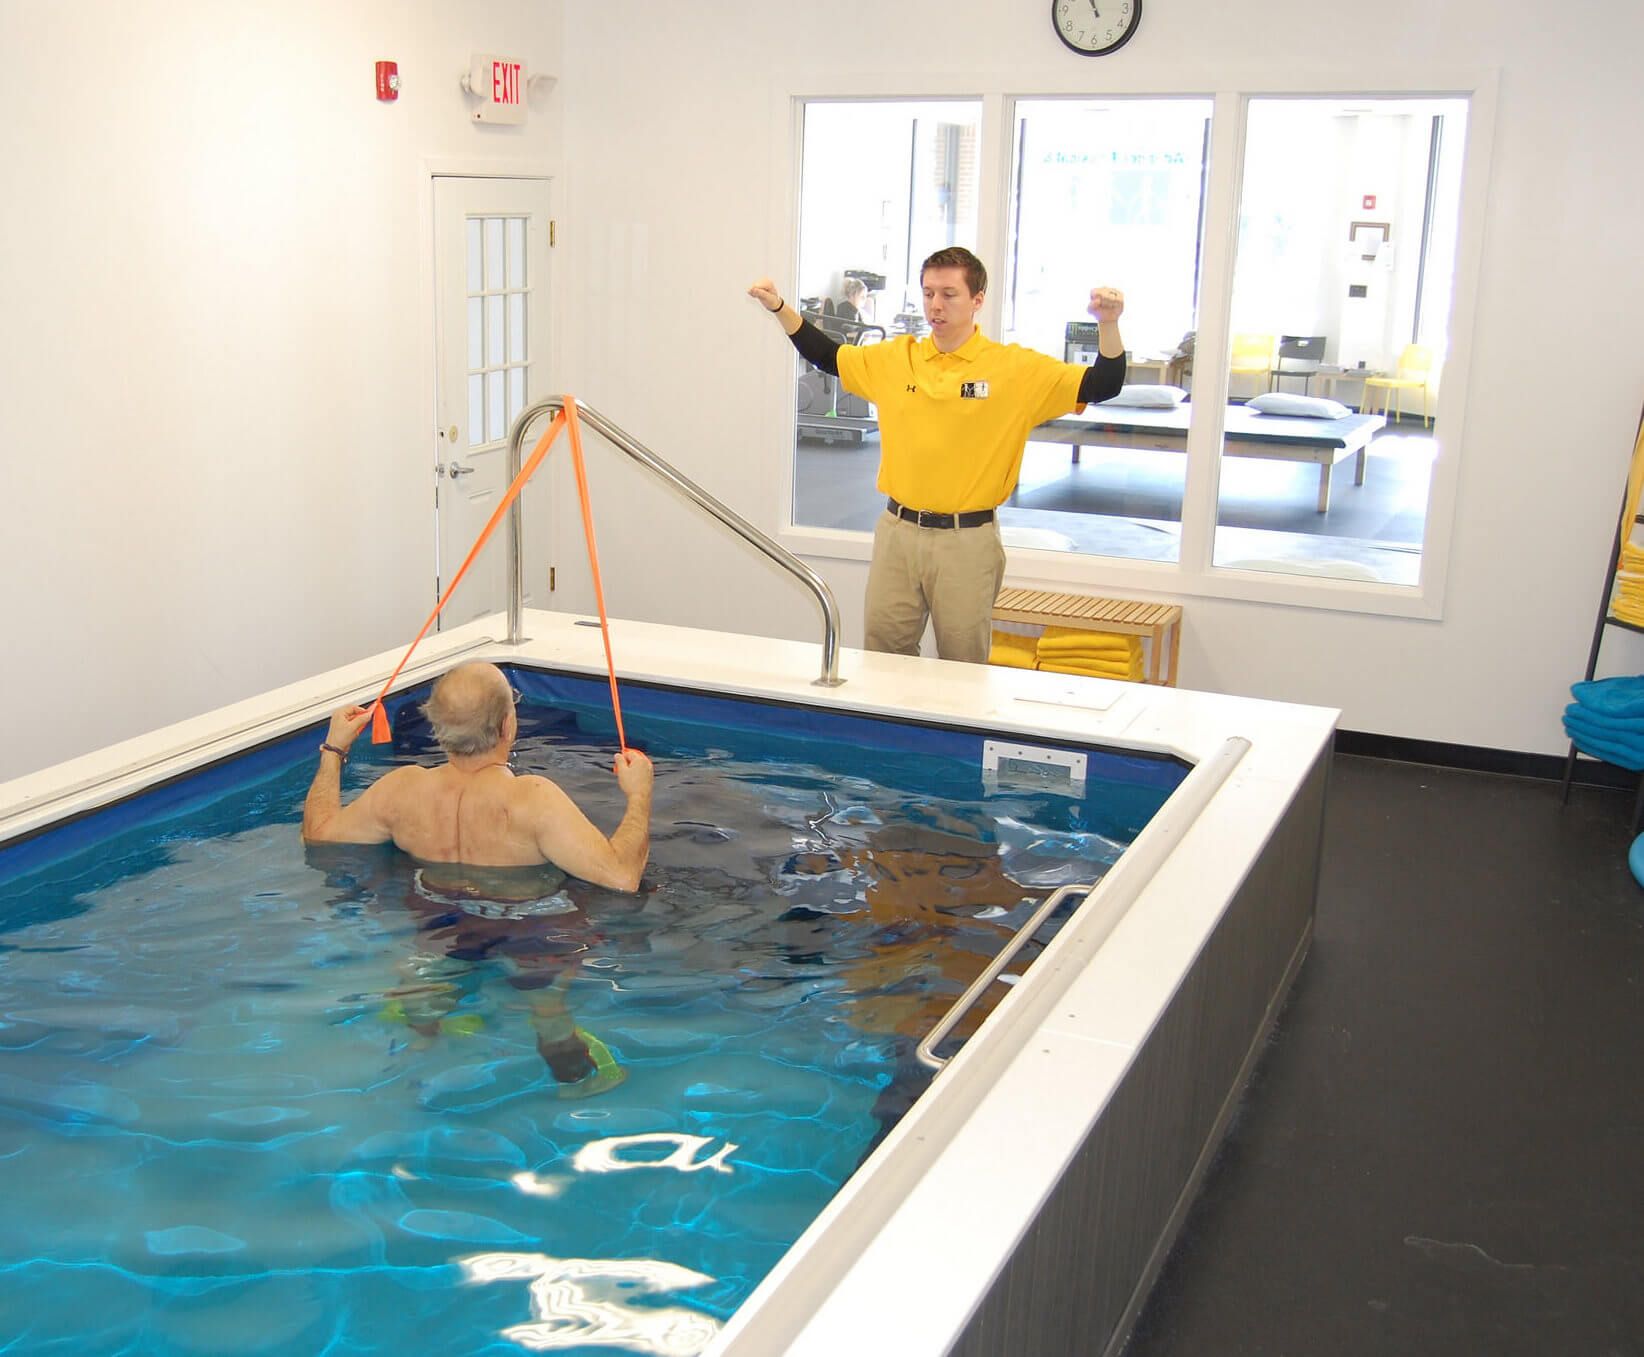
x=1094, y=10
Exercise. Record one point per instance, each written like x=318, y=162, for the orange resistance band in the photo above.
x=380, y=732
x=593, y=559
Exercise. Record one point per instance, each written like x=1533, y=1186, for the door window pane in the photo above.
x=493, y=254
x=495, y=425
x=516, y=327
x=516, y=252
x=476, y=410
x=497, y=330
x=494, y=355
x=476, y=258
x=516, y=393
x=883, y=186
x=1107, y=193
x=476, y=333
x=1341, y=300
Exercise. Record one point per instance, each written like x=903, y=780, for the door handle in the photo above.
x=456, y=469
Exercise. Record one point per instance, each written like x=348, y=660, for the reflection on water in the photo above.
x=580, y=1303
x=253, y=1100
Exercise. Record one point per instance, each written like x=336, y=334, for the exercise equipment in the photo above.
x=381, y=732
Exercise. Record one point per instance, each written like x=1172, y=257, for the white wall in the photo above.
x=215, y=332
x=676, y=178
x=216, y=341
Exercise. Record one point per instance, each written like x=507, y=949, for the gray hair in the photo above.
x=467, y=712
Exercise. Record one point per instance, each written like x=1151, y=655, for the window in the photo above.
x=1106, y=193
x=884, y=185
x=1341, y=293
x=496, y=295
x=1347, y=238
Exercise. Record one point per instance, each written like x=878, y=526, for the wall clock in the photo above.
x=1093, y=28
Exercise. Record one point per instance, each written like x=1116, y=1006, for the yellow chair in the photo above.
x=1252, y=357
x=1415, y=368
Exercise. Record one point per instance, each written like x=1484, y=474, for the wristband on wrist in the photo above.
x=777, y=309
x=326, y=747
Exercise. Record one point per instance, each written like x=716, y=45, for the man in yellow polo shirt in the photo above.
x=955, y=411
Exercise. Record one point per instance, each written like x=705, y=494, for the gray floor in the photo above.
x=1128, y=503
x=1442, y=1149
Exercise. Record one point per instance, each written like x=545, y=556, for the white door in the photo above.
x=491, y=243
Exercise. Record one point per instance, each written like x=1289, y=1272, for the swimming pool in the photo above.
x=811, y=1288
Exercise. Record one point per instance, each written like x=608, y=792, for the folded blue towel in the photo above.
x=1611, y=727
x=1612, y=696
x=1625, y=751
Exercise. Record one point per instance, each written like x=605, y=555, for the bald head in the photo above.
x=469, y=709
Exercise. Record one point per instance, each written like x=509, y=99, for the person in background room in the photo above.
x=955, y=412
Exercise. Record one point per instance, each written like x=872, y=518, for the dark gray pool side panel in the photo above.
x=1077, y=1278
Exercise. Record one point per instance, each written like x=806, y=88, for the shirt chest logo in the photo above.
x=973, y=391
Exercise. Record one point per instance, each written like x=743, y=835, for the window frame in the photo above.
x=1193, y=574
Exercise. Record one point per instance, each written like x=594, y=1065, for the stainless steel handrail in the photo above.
x=927, y=1048
x=695, y=493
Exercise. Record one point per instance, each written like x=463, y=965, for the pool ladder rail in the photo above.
x=1122, y=882
x=927, y=1048
x=623, y=442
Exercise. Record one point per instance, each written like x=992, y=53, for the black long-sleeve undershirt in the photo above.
x=1102, y=380
x=816, y=347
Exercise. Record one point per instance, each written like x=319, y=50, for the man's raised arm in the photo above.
x=569, y=840
x=325, y=818
x=814, y=346
x=1105, y=378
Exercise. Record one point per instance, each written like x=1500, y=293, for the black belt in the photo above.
x=926, y=519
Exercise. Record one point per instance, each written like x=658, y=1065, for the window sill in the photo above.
x=1166, y=579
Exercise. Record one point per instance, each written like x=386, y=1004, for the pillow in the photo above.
x=1148, y=397
x=1289, y=403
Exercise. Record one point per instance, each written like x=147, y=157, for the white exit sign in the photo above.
x=499, y=83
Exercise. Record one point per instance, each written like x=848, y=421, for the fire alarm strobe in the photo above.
x=388, y=81
x=499, y=85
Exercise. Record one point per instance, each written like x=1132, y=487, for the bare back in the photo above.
x=485, y=818
x=475, y=812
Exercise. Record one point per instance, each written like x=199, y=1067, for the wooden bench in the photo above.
x=1161, y=623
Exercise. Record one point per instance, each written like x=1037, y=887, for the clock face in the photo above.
x=1092, y=28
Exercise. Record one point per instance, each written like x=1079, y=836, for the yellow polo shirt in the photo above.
x=953, y=426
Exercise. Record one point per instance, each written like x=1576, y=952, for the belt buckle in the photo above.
x=930, y=519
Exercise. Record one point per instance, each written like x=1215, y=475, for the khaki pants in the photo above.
x=947, y=575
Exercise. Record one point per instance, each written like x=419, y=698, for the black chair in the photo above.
x=1304, y=353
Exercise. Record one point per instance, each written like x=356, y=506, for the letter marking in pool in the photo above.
x=601, y=1156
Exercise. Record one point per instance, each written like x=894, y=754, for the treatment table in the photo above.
x=1246, y=433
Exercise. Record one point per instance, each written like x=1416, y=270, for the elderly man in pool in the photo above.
x=474, y=810
x=479, y=830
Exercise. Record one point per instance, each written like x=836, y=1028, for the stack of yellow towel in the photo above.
x=1100, y=654
x=1627, y=600
x=1019, y=652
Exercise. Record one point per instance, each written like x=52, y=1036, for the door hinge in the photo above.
x=553, y=232
x=550, y=579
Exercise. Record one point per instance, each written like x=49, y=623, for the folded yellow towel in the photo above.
x=1078, y=636
x=1089, y=648
x=1082, y=657
x=1131, y=672
x=1018, y=652
x=1097, y=645
x=1088, y=657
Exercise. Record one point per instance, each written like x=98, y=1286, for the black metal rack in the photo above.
x=1606, y=620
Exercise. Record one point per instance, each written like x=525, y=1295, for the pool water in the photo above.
x=257, y=1098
